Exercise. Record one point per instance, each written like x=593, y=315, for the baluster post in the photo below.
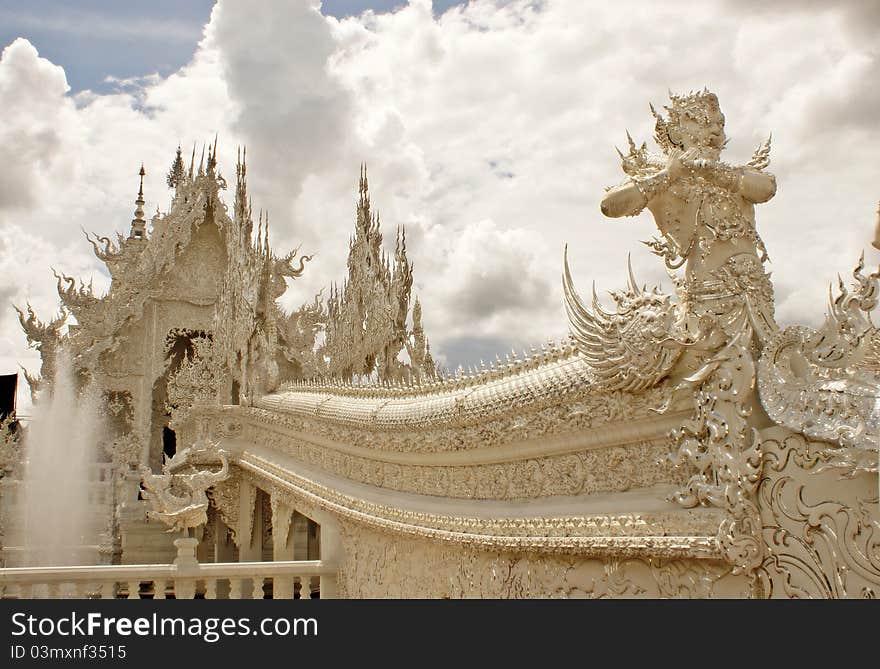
x=184, y=588
x=108, y=590
x=258, y=587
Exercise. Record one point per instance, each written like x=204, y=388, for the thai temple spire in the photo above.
x=212, y=157
x=266, y=234
x=177, y=173
x=243, y=206
x=367, y=316
x=364, y=218
x=138, y=224
x=363, y=186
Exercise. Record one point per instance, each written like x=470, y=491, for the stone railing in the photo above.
x=184, y=579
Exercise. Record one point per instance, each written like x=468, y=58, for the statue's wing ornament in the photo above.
x=631, y=349
x=818, y=382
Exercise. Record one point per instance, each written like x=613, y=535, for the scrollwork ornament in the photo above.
x=812, y=381
x=178, y=499
x=225, y=498
x=821, y=532
x=726, y=451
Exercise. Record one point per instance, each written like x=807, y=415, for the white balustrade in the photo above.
x=188, y=581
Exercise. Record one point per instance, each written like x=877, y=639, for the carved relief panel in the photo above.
x=379, y=565
x=821, y=521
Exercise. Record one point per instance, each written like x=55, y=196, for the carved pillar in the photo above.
x=250, y=543
x=300, y=536
x=224, y=548
x=264, y=500
x=282, y=543
x=330, y=552
x=300, y=540
x=282, y=537
x=205, y=534
x=224, y=551
x=250, y=524
x=226, y=498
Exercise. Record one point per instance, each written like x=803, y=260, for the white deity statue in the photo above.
x=705, y=211
x=719, y=341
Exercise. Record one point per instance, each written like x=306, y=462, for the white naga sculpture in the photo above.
x=179, y=499
x=708, y=341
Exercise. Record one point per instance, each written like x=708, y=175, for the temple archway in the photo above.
x=179, y=345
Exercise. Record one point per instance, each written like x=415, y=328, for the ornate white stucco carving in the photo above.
x=808, y=380
x=366, y=318
x=224, y=497
x=373, y=567
x=179, y=498
x=677, y=444
x=282, y=517
x=821, y=530
x=814, y=381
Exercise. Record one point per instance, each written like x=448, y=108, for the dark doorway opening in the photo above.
x=169, y=442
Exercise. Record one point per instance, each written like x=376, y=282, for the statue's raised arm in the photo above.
x=691, y=140
x=703, y=208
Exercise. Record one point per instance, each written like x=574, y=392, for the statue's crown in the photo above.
x=695, y=106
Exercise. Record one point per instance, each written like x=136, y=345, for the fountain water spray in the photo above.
x=57, y=524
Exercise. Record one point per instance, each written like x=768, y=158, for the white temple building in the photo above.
x=680, y=445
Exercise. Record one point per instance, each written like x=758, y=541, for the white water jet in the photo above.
x=57, y=523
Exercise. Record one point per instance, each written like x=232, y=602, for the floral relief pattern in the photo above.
x=821, y=531
x=376, y=567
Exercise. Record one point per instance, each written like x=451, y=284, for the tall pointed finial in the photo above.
x=212, y=156
x=364, y=217
x=243, y=208
x=630, y=142
x=176, y=174
x=138, y=224
x=266, y=233
x=142, y=174
x=363, y=185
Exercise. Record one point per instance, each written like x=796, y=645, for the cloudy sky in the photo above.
x=489, y=130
